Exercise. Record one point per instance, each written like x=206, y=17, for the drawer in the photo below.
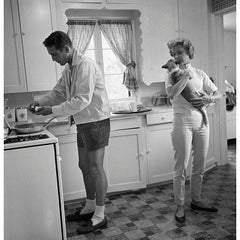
x=126, y=123
x=158, y=118
x=62, y=130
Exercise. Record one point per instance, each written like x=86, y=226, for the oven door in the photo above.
x=32, y=201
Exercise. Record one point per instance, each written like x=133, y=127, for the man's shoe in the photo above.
x=77, y=216
x=88, y=227
x=207, y=209
x=180, y=219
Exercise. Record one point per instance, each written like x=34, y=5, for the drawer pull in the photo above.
x=162, y=118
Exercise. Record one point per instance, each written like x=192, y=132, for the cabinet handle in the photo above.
x=148, y=151
x=162, y=118
x=23, y=34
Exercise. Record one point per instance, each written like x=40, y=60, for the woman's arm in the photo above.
x=176, y=89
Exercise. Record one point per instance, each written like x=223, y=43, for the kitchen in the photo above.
x=133, y=136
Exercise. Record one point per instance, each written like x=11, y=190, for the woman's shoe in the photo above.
x=203, y=208
x=180, y=219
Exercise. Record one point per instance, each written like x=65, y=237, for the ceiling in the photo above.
x=229, y=21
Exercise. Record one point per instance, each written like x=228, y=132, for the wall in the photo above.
x=230, y=56
x=16, y=100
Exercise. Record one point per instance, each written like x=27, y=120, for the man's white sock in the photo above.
x=89, y=206
x=98, y=215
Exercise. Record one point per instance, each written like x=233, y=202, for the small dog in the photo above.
x=189, y=91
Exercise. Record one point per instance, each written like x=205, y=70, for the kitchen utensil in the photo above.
x=29, y=128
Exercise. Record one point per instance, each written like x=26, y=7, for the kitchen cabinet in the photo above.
x=159, y=153
x=27, y=65
x=231, y=124
x=73, y=185
x=162, y=21
x=125, y=160
x=14, y=74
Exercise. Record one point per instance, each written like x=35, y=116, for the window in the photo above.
x=112, y=68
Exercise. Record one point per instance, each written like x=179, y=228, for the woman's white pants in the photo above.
x=190, y=138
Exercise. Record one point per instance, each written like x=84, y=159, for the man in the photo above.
x=81, y=93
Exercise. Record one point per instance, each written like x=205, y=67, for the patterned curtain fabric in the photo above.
x=80, y=32
x=118, y=34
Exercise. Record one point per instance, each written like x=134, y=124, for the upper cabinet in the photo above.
x=27, y=65
x=14, y=74
x=162, y=21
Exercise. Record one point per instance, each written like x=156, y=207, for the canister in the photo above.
x=10, y=114
x=21, y=114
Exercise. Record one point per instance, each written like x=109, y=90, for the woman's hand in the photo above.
x=201, y=100
x=188, y=74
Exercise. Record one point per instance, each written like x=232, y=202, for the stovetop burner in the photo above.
x=25, y=138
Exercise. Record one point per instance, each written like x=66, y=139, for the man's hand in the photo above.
x=43, y=110
x=32, y=107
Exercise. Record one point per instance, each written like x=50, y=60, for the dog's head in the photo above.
x=170, y=65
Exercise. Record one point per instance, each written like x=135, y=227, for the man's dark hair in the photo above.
x=57, y=39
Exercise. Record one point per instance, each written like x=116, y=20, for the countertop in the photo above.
x=113, y=117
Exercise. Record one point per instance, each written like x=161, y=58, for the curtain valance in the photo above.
x=81, y=22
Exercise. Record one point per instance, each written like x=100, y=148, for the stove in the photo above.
x=32, y=168
x=29, y=140
x=25, y=138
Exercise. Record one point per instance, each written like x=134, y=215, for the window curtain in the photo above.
x=119, y=34
x=80, y=32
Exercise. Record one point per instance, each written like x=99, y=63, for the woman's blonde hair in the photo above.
x=187, y=44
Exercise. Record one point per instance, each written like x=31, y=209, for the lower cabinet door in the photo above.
x=73, y=186
x=160, y=155
x=125, y=160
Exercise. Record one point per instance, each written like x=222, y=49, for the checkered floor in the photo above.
x=149, y=213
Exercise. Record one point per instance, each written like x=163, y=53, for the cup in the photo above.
x=133, y=106
x=21, y=114
x=10, y=114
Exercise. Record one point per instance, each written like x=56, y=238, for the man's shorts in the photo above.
x=93, y=135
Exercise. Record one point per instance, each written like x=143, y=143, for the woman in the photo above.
x=189, y=135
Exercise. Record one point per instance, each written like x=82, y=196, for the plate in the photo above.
x=130, y=112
